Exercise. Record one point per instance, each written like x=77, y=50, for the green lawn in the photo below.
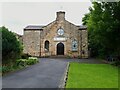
x=92, y=76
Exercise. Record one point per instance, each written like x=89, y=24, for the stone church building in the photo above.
x=60, y=37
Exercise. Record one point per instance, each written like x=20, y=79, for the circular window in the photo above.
x=60, y=31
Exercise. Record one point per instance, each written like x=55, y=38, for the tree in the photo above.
x=11, y=47
x=103, y=23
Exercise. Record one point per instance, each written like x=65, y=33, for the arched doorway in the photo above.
x=60, y=49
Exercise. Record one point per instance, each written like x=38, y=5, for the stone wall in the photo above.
x=31, y=42
x=84, y=44
x=31, y=39
x=71, y=32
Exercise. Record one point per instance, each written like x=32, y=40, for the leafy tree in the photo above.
x=103, y=23
x=11, y=47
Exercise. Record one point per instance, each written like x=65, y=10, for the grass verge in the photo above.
x=92, y=76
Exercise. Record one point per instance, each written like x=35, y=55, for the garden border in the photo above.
x=64, y=77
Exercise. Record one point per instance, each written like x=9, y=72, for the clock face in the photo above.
x=60, y=31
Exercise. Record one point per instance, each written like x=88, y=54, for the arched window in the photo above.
x=46, y=45
x=74, y=45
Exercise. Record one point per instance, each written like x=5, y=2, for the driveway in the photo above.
x=49, y=73
x=46, y=74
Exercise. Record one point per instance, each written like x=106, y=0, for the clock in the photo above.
x=60, y=31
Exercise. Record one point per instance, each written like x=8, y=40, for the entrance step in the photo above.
x=58, y=56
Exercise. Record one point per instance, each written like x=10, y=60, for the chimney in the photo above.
x=60, y=15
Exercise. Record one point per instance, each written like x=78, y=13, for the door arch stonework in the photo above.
x=60, y=49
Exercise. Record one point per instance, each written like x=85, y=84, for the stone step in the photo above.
x=58, y=56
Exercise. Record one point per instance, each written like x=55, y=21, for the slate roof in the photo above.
x=33, y=27
x=37, y=27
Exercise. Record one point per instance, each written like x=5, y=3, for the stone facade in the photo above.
x=60, y=37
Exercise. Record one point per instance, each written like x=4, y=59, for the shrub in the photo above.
x=6, y=69
x=25, y=56
x=32, y=60
x=29, y=61
x=116, y=62
x=11, y=46
x=21, y=62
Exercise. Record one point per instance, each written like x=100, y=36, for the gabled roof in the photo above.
x=33, y=27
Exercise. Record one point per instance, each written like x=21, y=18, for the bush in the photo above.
x=8, y=68
x=11, y=46
x=32, y=60
x=20, y=63
x=25, y=56
x=113, y=60
x=5, y=69
x=29, y=61
x=116, y=62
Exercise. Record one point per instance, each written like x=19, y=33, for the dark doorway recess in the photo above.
x=60, y=49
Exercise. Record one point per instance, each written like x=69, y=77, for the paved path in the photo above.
x=46, y=74
x=90, y=61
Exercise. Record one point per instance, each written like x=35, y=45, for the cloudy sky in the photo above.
x=17, y=15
